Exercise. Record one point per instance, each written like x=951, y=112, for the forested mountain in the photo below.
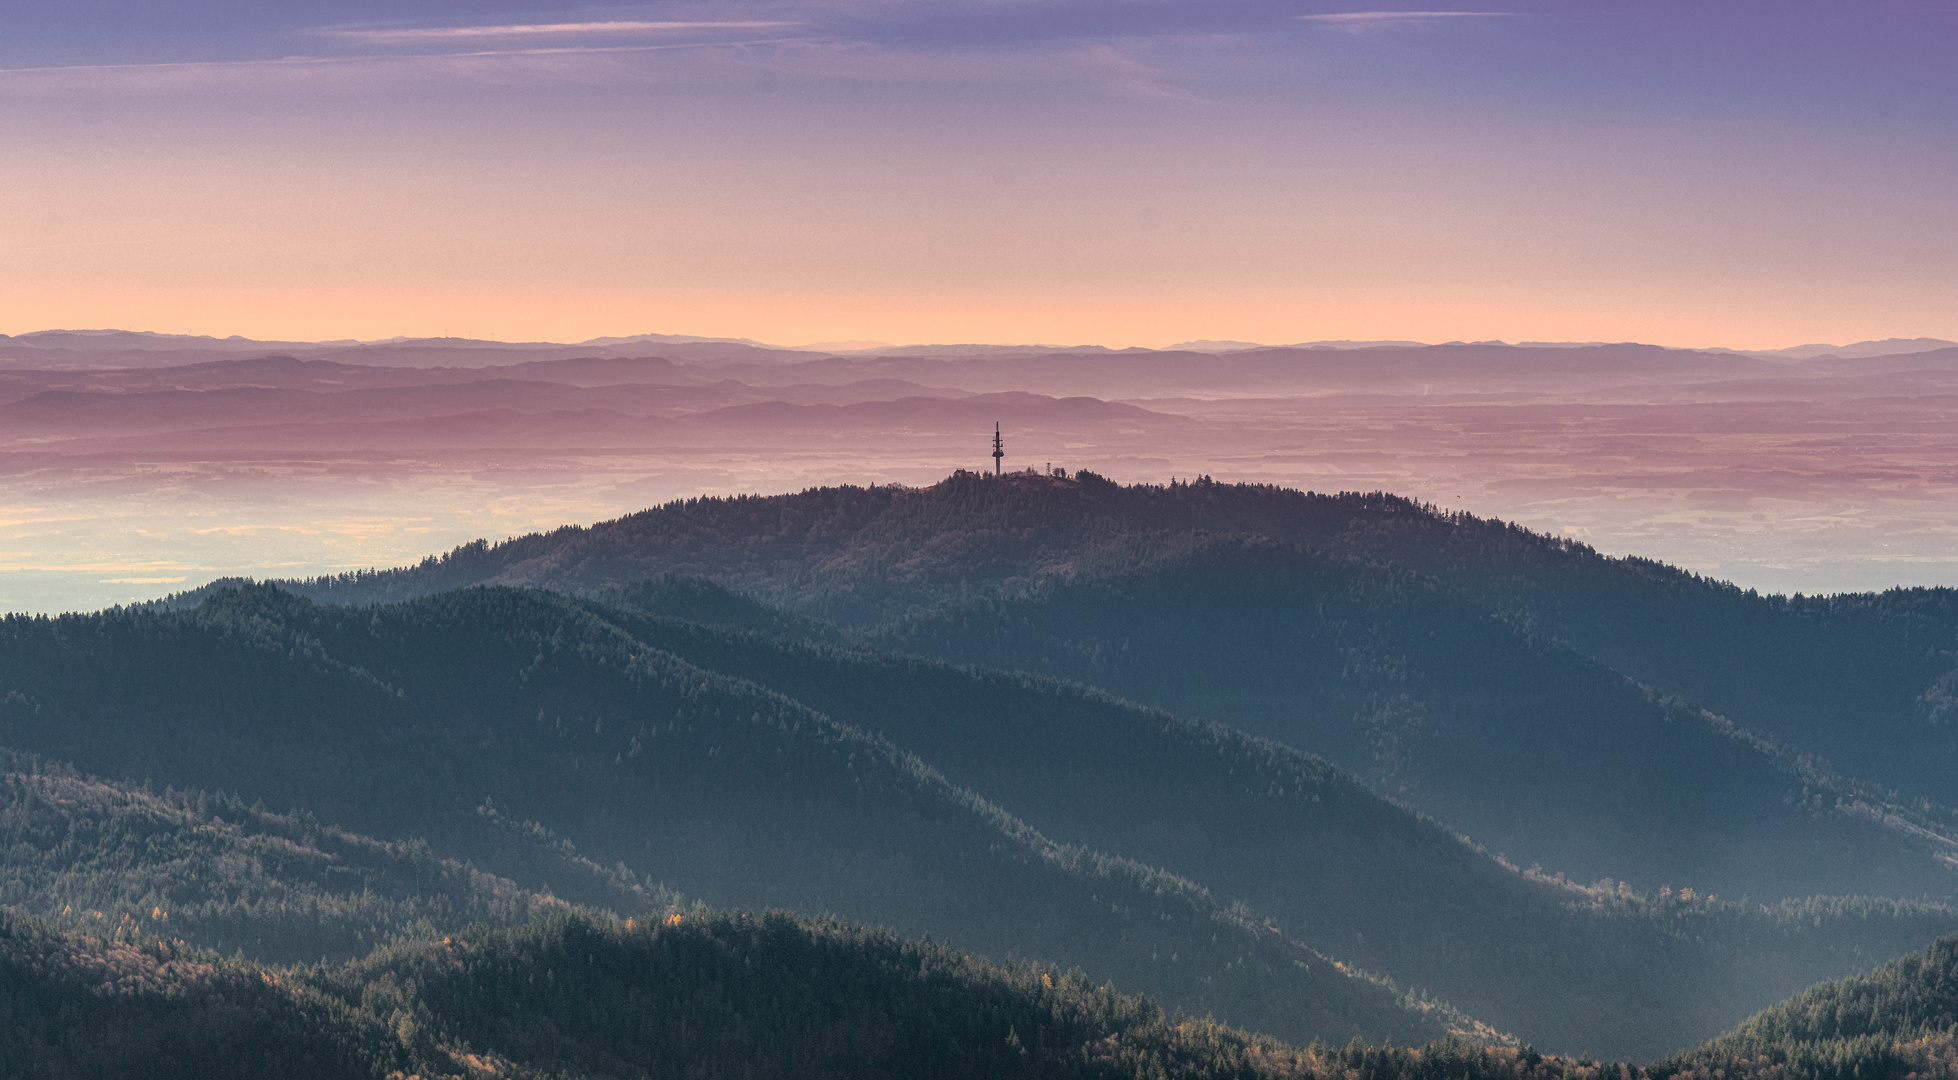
x=116, y=861
x=702, y=995
x=765, y=703
x=710, y=995
x=748, y=769
x=1793, y=668
x=466, y=718
x=1294, y=838
x=1901, y=1019
x=1437, y=656
x=75, y=1007
x=1868, y=681
x=1530, y=747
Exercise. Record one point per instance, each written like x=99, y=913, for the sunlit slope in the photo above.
x=467, y=717
x=115, y=860
x=1298, y=839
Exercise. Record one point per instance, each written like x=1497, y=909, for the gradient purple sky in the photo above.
x=1751, y=175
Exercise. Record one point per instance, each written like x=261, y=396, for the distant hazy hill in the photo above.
x=1860, y=349
x=120, y=349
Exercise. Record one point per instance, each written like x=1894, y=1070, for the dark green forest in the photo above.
x=703, y=995
x=1675, y=730
x=483, y=720
x=1899, y=1020
x=1410, y=792
x=1441, y=703
x=1222, y=873
x=1295, y=838
x=706, y=994
x=574, y=995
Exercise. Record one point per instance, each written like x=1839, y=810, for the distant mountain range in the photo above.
x=128, y=347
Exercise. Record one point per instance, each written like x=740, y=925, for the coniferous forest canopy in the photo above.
x=1031, y=775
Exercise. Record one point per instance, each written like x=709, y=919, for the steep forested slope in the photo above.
x=76, y=1007
x=116, y=861
x=713, y=995
x=1864, y=681
x=1900, y=1019
x=1298, y=840
x=704, y=996
x=1530, y=747
x=691, y=755
x=710, y=995
x=473, y=719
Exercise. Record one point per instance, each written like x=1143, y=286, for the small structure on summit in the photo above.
x=999, y=449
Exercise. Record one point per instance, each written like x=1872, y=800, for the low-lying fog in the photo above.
x=126, y=475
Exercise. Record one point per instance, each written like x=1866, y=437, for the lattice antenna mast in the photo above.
x=999, y=449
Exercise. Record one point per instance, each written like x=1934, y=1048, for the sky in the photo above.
x=1116, y=172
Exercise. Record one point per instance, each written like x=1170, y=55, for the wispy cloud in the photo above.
x=423, y=34
x=358, y=72
x=1126, y=69
x=1375, y=20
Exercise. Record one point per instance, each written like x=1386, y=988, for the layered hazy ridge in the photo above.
x=134, y=465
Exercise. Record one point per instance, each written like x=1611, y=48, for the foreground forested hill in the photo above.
x=1018, y=817
x=702, y=995
x=1673, y=731
x=1900, y=1020
x=708, y=995
x=468, y=717
x=1332, y=864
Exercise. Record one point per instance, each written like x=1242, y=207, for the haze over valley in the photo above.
x=137, y=465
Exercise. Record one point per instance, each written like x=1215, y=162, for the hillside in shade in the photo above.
x=703, y=994
x=465, y=718
x=1674, y=731
x=709, y=994
x=1016, y=816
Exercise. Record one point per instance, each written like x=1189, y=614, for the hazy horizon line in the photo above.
x=865, y=345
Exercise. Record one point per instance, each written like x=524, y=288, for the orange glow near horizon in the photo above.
x=1115, y=322
x=704, y=193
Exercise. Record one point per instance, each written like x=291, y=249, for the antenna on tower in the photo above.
x=999, y=448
